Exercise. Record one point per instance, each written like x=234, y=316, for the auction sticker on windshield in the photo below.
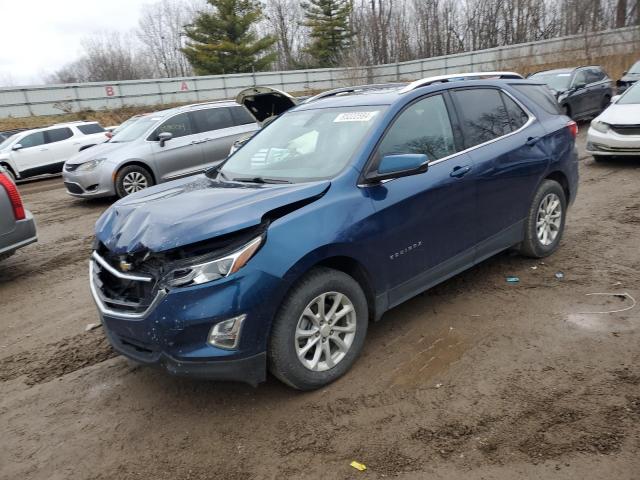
x=355, y=117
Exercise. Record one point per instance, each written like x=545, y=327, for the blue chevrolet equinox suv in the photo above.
x=340, y=209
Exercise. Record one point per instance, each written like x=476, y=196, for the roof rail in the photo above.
x=460, y=76
x=357, y=88
x=212, y=102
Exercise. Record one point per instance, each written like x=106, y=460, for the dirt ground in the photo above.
x=475, y=379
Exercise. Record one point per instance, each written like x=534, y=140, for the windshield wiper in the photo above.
x=260, y=180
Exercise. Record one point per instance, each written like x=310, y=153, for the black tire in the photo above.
x=567, y=110
x=606, y=100
x=123, y=174
x=284, y=363
x=532, y=246
x=10, y=174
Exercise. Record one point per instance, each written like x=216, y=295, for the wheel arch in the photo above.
x=138, y=163
x=561, y=178
x=343, y=263
x=10, y=168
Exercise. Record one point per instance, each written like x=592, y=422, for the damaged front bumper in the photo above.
x=171, y=329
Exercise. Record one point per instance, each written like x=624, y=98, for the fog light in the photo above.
x=226, y=334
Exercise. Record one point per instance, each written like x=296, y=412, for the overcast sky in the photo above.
x=39, y=36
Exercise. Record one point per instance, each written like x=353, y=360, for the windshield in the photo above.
x=134, y=130
x=4, y=144
x=635, y=68
x=632, y=95
x=557, y=81
x=303, y=145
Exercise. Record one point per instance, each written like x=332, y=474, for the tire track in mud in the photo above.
x=57, y=359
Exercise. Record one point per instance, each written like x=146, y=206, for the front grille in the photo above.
x=71, y=167
x=73, y=187
x=123, y=295
x=626, y=129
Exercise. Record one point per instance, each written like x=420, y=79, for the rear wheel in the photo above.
x=545, y=222
x=131, y=179
x=319, y=330
x=567, y=110
x=606, y=100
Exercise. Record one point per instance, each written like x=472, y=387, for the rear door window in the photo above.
x=423, y=127
x=210, y=119
x=32, y=140
x=58, y=134
x=90, y=128
x=241, y=116
x=178, y=125
x=483, y=116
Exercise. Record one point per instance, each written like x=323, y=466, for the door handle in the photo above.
x=531, y=141
x=459, y=172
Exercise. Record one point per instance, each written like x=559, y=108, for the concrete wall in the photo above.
x=57, y=99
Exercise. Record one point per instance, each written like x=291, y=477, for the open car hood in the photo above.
x=265, y=102
x=195, y=209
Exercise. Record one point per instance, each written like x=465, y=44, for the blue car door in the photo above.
x=507, y=148
x=425, y=222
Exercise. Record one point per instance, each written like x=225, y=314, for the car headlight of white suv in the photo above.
x=599, y=126
x=91, y=165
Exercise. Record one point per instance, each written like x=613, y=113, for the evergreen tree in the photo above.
x=330, y=30
x=223, y=40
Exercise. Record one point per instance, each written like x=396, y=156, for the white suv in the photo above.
x=44, y=150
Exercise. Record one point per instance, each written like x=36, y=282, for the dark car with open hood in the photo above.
x=338, y=210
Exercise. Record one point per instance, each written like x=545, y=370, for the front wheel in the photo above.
x=319, y=330
x=545, y=222
x=131, y=179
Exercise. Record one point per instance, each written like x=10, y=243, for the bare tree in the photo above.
x=107, y=56
x=161, y=32
x=284, y=20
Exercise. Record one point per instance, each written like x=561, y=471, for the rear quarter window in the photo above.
x=541, y=96
x=483, y=116
x=90, y=128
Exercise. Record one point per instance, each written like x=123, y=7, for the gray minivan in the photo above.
x=158, y=147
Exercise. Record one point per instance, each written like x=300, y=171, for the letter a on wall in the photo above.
x=184, y=87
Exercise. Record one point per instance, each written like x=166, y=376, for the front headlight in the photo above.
x=215, y=269
x=600, y=126
x=91, y=165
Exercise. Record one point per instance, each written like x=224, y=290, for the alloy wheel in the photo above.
x=325, y=331
x=549, y=219
x=134, y=182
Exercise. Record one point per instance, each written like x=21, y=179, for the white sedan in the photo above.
x=616, y=131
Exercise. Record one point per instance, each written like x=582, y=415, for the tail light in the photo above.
x=14, y=197
x=573, y=128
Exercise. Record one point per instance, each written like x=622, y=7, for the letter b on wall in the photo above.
x=110, y=90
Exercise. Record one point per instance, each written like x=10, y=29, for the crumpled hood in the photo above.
x=626, y=114
x=191, y=210
x=104, y=149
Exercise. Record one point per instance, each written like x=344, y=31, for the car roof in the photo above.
x=192, y=107
x=387, y=94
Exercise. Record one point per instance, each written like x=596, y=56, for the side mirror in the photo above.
x=625, y=72
x=615, y=98
x=17, y=146
x=400, y=165
x=164, y=137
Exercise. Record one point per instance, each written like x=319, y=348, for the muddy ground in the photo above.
x=474, y=379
